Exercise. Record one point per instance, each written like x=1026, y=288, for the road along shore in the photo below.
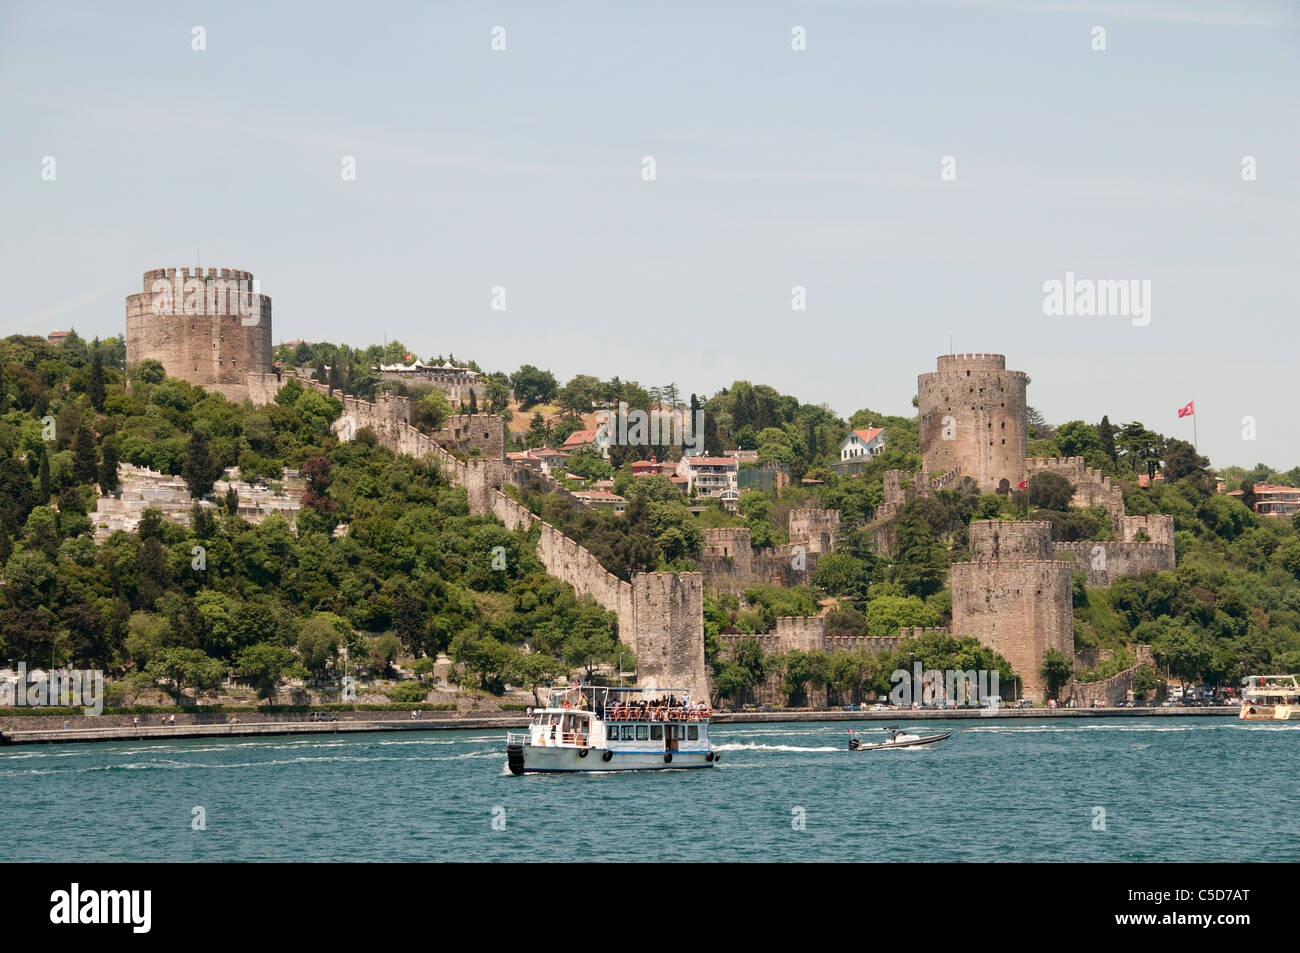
x=188, y=726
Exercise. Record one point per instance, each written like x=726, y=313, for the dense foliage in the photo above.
x=184, y=605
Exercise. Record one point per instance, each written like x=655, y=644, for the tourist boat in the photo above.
x=599, y=728
x=897, y=739
x=1270, y=698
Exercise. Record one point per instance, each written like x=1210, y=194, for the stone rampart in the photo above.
x=1107, y=561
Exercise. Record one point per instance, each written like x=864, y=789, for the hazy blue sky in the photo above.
x=775, y=168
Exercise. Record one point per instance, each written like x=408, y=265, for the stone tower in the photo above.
x=211, y=329
x=1014, y=597
x=972, y=417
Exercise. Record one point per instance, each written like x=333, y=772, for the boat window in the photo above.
x=642, y=732
x=656, y=732
x=693, y=732
x=627, y=732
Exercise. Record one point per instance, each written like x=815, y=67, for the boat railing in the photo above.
x=656, y=714
x=517, y=738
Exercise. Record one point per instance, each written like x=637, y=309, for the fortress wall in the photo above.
x=668, y=622
x=1019, y=608
x=1091, y=486
x=916, y=631
x=1107, y=561
x=263, y=386
x=730, y=563
x=1010, y=539
x=1158, y=527
x=660, y=614
x=814, y=528
x=479, y=434
x=801, y=633
x=1111, y=690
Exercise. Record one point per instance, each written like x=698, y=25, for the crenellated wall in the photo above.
x=814, y=528
x=205, y=327
x=730, y=562
x=1158, y=528
x=1091, y=486
x=971, y=416
x=1107, y=561
x=1111, y=690
x=1018, y=607
x=660, y=615
x=1010, y=539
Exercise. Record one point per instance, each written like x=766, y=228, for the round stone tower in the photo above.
x=211, y=329
x=972, y=417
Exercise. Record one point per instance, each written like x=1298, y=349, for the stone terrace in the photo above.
x=141, y=488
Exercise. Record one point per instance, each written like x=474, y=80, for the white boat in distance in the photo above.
x=599, y=728
x=897, y=739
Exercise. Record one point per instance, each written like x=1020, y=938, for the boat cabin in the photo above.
x=616, y=722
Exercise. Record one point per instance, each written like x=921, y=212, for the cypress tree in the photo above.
x=108, y=468
x=85, y=460
x=1107, y=433
x=46, y=486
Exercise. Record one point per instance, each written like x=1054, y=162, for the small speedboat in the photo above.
x=896, y=739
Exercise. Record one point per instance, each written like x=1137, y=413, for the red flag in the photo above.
x=1023, y=484
x=408, y=359
x=1186, y=411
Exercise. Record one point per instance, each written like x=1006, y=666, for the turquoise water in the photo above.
x=1195, y=789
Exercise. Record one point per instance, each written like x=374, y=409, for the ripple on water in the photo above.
x=991, y=792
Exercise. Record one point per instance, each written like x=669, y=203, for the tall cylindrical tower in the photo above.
x=211, y=329
x=972, y=416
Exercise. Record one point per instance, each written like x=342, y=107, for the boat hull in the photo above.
x=531, y=759
x=889, y=745
x=1251, y=712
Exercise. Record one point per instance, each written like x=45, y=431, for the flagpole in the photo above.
x=1195, y=443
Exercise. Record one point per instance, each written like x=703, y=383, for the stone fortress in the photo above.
x=971, y=418
x=730, y=562
x=1014, y=595
x=212, y=329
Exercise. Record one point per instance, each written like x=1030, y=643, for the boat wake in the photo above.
x=735, y=746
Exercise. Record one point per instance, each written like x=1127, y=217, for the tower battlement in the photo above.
x=211, y=334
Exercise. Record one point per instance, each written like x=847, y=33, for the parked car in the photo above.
x=879, y=707
x=1025, y=703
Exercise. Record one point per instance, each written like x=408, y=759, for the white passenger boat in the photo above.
x=1270, y=698
x=598, y=728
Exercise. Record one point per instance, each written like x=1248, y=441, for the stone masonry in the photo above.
x=730, y=562
x=660, y=615
x=971, y=415
x=1014, y=598
x=210, y=329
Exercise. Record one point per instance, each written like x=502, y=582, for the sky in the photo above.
x=828, y=168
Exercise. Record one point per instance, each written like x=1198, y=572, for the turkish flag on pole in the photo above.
x=1186, y=411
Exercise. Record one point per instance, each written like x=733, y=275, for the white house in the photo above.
x=862, y=444
x=708, y=476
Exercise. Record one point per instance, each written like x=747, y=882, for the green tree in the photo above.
x=533, y=385
x=85, y=459
x=108, y=468
x=202, y=468
x=1055, y=672
x=266, y=664
x=185, y=668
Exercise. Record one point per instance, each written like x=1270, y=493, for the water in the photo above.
x=1195, y=789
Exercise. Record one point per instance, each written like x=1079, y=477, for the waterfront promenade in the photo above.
x=36, y=730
